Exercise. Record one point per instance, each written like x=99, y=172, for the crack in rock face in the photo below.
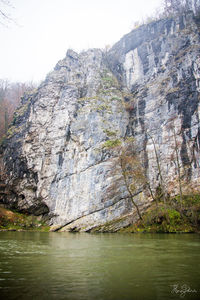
x=61, y=156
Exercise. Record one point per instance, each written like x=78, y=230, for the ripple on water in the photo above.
x=80, y=267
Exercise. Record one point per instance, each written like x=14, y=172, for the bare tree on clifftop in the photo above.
x=176, y=7
x=4, y=15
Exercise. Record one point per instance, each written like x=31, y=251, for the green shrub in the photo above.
x=11, y=220
x=112, y=143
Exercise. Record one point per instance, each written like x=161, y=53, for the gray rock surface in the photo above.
x=59, y=160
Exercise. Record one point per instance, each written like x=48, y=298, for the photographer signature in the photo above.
x=182, y=290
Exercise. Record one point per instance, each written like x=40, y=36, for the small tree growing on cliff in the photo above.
x=161, y=190
x=128, y=166
x=171, y=126
x=132, y=173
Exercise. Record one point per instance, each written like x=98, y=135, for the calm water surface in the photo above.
x=99, y=266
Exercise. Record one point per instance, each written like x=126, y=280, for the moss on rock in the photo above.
x=112, y=143
x=170, y=218
x=11, y=220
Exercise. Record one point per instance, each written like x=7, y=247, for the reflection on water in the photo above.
x=99, y=266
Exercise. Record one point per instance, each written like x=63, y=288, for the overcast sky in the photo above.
x=45, y=29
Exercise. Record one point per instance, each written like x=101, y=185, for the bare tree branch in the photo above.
x=4, y=16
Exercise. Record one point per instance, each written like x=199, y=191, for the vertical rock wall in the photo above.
x=160, y=65
x=60, y=157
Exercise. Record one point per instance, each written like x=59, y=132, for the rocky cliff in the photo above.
x=61, y=153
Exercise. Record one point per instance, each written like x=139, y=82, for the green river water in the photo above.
x=82, y=266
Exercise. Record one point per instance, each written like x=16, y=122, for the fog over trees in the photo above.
x=10, y=95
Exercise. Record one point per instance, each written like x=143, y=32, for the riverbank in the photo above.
x=15, y=221
x=170, y=217
x=173, y=216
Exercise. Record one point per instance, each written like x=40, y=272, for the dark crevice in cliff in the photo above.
x=185, y=100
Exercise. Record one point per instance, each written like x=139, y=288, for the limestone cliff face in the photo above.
x=160, y=66
x=60, y=157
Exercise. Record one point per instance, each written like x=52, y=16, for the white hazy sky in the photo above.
x=47, y=28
